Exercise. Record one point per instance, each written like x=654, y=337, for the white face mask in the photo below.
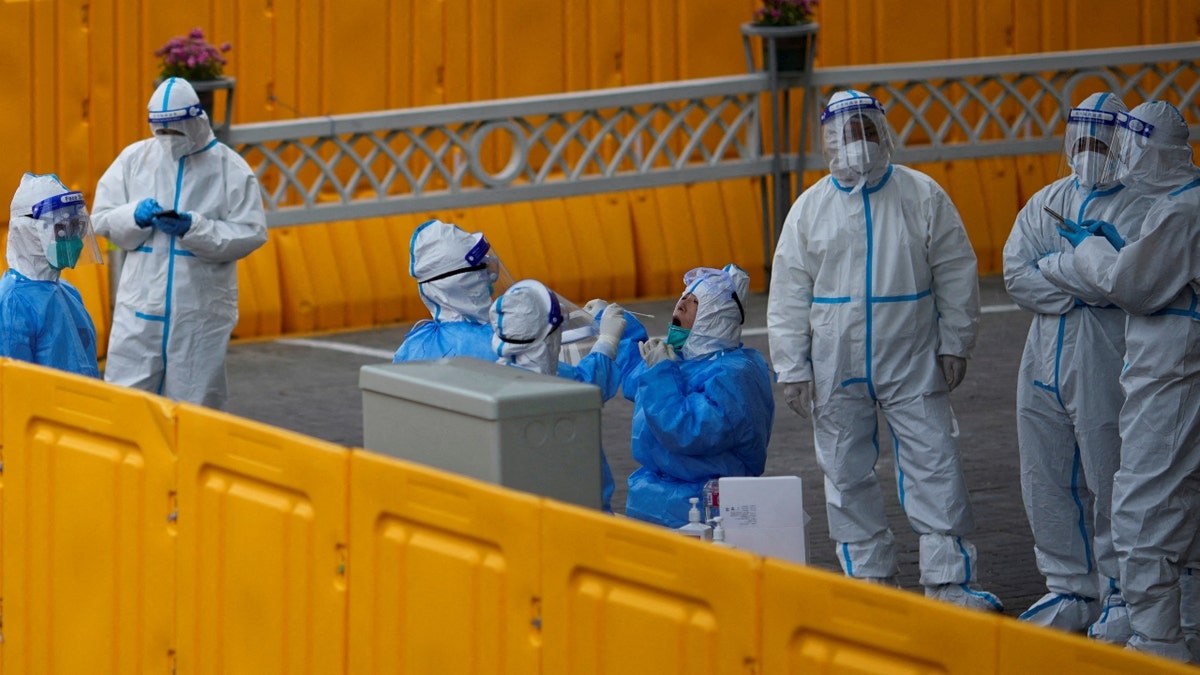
x=860, y=154
x=175, y=144
x=1088, y=166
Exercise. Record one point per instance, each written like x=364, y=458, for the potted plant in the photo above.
x=199, y=62
x=789, y=26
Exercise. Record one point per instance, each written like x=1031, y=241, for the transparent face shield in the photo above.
x=1129, y=146
x=856, y=140
x=65, y=230
x=579, y=332
x=481, y=258
x=1086, y=144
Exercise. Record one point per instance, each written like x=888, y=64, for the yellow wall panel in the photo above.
x=619, y=597
x=998, y=190
x=561, y=249
x=597, y=251
x=21, y=128
x=742, y=203
x=712, y=230
x=261, y=548
x=386, y=267
x=89, y=560
x=654, y=272
x=443, y=572
x=352, y=275
x=296, y=294
x=815, y=621
x=329, y=299
x=261, y=273
x=617, y=229
x=682, y=245
x=248, y=313
x=521, y=71
x=1031, y=649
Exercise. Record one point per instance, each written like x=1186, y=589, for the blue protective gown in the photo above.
x=45, y=322
x=601, y=371
x=430, y=340
x=695, y=420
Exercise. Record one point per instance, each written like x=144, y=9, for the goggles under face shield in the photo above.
x=65, y=230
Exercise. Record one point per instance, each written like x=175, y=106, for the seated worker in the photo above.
x=456, y=273
x=527, y=324
x=703, y=405
x=42, y=317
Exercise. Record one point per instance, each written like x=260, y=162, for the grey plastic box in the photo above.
x=530, y=432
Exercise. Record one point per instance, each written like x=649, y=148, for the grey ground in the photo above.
x=313, y=389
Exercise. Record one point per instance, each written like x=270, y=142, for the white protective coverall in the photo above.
x=1156, y=494
x=1068, y=394
x=177, y=300
x=874, y=279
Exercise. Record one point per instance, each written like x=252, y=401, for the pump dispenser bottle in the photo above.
x=695, y=527
x=718, y=533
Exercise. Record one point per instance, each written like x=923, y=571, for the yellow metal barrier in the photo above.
x=89, y=537
x=142, y=536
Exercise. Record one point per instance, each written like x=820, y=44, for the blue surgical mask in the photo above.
x=676, y=336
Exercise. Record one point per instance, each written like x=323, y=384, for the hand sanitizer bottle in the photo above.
x=695, y=528
x=718, y=533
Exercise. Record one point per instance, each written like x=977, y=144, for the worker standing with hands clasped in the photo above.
x=874, y=306
x=1068, y=394
x=1156, y=492
x=185, y=209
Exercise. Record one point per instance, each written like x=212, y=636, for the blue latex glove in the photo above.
x=1073, y=233
x=1102, y=228
x=145, y=211
x=177, y=225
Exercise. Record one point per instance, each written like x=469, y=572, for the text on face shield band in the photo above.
x=849, y=105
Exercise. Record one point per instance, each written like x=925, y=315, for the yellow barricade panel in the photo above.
x=347, y=248
x=626, y=597
x=386, y=268
x=532, y=258
x=89, y=565
x=679, y=227
x=261, y=270
x=296, y=294
x=616, y=225
x=330, y=305
x=820, y=622
x=713, y=233
x=999, y=191
x=743, y=216
x=597, y=250
x=261, y=548
x=1032, y=649
x=247, y=304
x=561, y=250
x=443, y=570
x=654, y=274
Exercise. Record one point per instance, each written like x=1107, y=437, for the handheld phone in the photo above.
x=1057, y=216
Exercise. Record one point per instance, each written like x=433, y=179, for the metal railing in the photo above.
x=357, y=166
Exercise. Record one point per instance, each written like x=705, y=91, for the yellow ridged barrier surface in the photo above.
x=144, y=536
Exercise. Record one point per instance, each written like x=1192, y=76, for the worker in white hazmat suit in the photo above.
x=1155, y=278
x=42, y=316
x=184, y=208
x=1068, y=394
x=874, y=306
